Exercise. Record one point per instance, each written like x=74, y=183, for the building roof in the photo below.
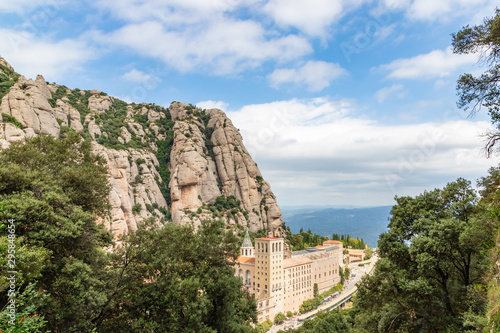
x=301, y=252
x=246, y=260
x=332, y=242
x=320, y=247
x=357, y=251
x=296, y=262
x=269, y=238
x=247, y=242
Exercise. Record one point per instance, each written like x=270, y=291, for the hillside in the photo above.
x=366, y=223
x=179, y=163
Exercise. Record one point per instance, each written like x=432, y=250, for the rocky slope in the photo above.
x=181, y=163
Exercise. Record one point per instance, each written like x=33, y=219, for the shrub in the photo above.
x=9, y=119
x=136, y=209
x=141, y=119
x=150, y=208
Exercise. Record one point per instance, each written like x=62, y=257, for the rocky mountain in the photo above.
x=179, y=163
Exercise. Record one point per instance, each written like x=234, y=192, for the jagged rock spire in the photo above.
x=247, y=242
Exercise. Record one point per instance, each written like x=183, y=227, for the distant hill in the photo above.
x=366, y=223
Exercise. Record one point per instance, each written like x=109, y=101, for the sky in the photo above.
x=340, y=102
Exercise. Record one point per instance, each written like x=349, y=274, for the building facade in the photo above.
x=281, y=280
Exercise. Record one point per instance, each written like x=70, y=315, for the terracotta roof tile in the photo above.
x=332, y=242
x=246, y=260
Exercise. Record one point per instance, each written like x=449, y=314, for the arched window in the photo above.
x=240, y=274
x=248, y=278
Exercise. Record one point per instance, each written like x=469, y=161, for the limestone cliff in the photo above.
x=178, y=163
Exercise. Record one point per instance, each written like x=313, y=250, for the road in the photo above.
x=349, y=288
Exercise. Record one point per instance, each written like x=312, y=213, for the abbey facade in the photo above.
x=281, y=280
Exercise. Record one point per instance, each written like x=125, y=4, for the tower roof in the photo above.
x=247, y=242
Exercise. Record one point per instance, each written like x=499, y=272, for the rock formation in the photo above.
x=180, y=163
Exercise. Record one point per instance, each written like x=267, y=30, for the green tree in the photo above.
x=491, y=199
x=263, y=327
x=315, y=290
x=484, y=90
x=279, y=318
x=341, y=274
x=334, y=321
x=54, y=190
x=433, y=262
x=29, y=262
x=178, y=279
x=368, y=253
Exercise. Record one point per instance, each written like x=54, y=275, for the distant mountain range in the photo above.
x=366, y=223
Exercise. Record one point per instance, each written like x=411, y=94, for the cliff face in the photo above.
x=181, y=163
x=200, y=173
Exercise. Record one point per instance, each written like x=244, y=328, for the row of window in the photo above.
x=263, y=247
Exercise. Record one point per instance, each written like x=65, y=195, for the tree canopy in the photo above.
x=476, y=92
x=430, y=277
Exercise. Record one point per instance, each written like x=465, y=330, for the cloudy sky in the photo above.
x=340, y=102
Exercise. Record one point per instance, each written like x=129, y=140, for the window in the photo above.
x=248, y=278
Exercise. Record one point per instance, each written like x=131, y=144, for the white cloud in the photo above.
x=312, y=17
x=316, y=75
x=43, y=7
x=431, y=10
x=223, y=47
x=212, y=105
x=31, y=55
x=394, y=90
x=309, y=148
x=434, y=64
x=172, y=12
x=137, y=76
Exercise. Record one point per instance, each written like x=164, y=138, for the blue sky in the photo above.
x=340, y=102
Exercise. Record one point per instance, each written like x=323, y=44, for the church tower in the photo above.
x=247, y=249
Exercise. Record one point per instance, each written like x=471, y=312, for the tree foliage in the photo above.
x=476, y=92
x=53, y=190
x=175, y=279
x=430, y=275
